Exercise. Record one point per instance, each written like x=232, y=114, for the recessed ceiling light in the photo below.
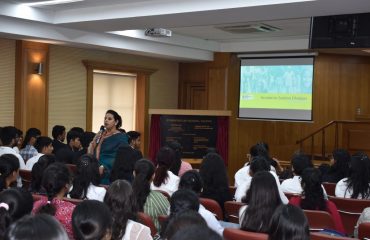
x=50, y=2
x=366, y=50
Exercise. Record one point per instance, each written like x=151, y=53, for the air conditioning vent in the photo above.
x=249, y=28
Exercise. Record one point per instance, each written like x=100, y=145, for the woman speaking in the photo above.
x=106, y=143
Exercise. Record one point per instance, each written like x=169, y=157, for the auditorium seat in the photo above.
x=350, y=210
x=320, y=236
x=26, y=176
x=212, y=206
x=232, y=210
x=319, y=220
x=290, y=195
x=364, y=230
x=329, y=188
x=147, y=221
x=237, y=234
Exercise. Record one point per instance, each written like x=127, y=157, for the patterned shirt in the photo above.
x=27, y=152
x=63, y=212
x=156, y=204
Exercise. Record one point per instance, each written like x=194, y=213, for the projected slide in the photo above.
x=276, y=88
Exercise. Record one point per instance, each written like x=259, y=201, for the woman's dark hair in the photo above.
x=289, y=223
x=300, y=162
x=8, y=165
x=144, y=170
x=214, y=176
x=38, y=171
x=165, y=158
x=262, y=198
x=14, y=204
x=182, y=220
x=182, y=200
x=36, y=227
x=312, y=190
x=87, y=173
x=342, y=160
x=124, y=163
x=176, y=147
x=191, y=180
x=196, y=233
x=358, y=180
x=120, y=200
x=31, y=132
x=116, y=117
x=55, y=178
x=259, y=163
x=91, y=220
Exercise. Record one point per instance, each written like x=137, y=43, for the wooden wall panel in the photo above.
x=341, y=85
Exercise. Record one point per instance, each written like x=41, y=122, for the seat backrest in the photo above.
x=26, y=176
x=237, y=234
x=290, y=195
x=350, y=210
x=319, y=220
x=364, y=230
x=320, y=236
x=232, y=210
x=329, y=188
x=212, y=206
x=147, y=221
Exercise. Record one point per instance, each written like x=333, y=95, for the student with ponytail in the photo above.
x=14, y=204
x=151, y=202
x=9, y=169
x=164, y=179
x=56, y=182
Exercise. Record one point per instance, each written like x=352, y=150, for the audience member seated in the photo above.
x=92, y=219
x=215, y=181
x=28, y=150
x=43, y=146
x=288, y=223
x=357, y=183
x=124, y=163
x=19, y=141
x=9, y=170
x=182, y=220
x=71, y=153
x=164, y=179
x=59, y=134
x=258, y=163
x=56, y=182
x=195, y=233
x=14, y=204
x=87, y=179
x=86, y=138
x=38, y=171
x=120, y=200
x=339, y=169
x=39, y=227
x=299, y=163
x=313, y=197
x=9, y=139
x=191, y=180
x=148, y=201
x=134, y=141
x=178, y=167
x=364, y=218
x=262, y=199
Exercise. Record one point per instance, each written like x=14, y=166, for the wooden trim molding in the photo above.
x=190, y=112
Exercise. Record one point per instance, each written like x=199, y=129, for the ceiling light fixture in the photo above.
x=50, y=2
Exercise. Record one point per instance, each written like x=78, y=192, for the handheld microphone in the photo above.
x=99, y=134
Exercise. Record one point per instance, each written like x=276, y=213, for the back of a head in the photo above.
x=312, y=190
x=38, y=170
x=195, y=233
x=259, y=150
x=191, y=180
x=7, y=135
x=144, y=170
x=213, y=172
x=165, y=158
x=359, y=176
x=259, y=163
x=183, y=200
x=42, y=142
x=86, y=138
x=289, y=223
x=9, y=164
x=91, y=220
x=36, y=227
x=177, y=148
x=57, y=131
x=300, y=162
x=182, y=220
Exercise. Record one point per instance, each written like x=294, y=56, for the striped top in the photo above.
x=156, y=204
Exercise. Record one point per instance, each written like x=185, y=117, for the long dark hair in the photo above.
x=144, y=170
x=289, y=223
x=8, y=165
x=191, y=180
x=176, y=165
x=342, y=160
x=31, y=132
x=87, y=173
x=121, y=202
x=124, y=162
x=55, y=178
x=165, y=159
x=38, y=171
x=262, y=198
x=358, y=180
x=312, y=190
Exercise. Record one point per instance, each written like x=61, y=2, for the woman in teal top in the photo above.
x=107, y=142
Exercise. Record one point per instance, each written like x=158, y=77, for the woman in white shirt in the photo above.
x=87, y=179
x=357, y=184
x=164, y=179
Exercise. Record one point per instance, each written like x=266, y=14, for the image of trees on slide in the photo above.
x=276, y=87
